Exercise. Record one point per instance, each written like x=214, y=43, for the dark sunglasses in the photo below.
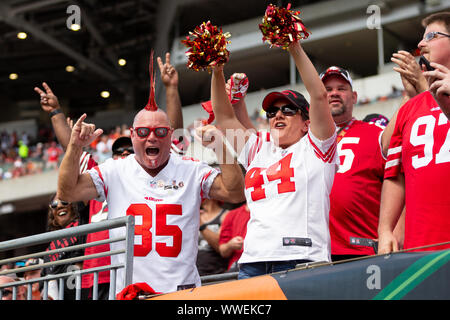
x=119, y=151
x=144, y=132
x=54, y=204
x=6, y=292
x=287, y=110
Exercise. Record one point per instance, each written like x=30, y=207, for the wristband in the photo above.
x=55, y=112
x=202, y=227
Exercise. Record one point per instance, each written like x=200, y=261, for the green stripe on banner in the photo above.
x=413, y=276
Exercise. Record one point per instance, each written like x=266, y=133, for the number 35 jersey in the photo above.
x=166, y=210
x=420, y=148
x=287, y=192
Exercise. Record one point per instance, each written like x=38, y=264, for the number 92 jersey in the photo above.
x=166, y=210
x=287, y=192
x=420, y=148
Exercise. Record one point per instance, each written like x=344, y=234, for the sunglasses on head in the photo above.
x=341, y=71
x=119, y=151
x=287, y=110
x=144, y=132
x=54, y=204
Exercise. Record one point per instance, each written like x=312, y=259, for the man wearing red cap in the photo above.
x=355, y=196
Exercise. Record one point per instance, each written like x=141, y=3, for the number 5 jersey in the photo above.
x=287, y=192
x=420, y=148
x=166, y=210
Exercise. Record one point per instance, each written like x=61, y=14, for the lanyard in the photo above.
x=343, y=130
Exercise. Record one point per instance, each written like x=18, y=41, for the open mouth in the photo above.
x=152, y=151
x=280, y=125
x=62, y=213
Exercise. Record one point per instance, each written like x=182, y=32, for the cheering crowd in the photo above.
x=317, y=185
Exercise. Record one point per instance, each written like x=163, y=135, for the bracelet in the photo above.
x=55, y=112
x=202, y=227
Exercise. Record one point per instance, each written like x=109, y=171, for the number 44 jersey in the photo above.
x=166, y=210
x=287, y=192
x=420, y=148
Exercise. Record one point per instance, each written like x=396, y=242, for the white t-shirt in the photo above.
x=166, y=209
x=287, y=192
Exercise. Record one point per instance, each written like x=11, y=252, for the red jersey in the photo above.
x=98, y=211
x=355, y=196
x=234, y=224
x=54, y=153
x=420, y=148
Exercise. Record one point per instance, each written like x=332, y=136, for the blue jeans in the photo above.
x=253, y=269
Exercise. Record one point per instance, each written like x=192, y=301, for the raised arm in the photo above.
x=223, y=110
x=73, y=186
x=240, y=107
x=50, y=104
x=321, y=121
x=169, y=77
x=228, y=186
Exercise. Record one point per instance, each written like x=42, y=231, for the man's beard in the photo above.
x=339, y=111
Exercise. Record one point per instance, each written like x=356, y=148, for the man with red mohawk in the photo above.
x=161, y=189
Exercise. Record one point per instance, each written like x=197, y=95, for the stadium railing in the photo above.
x=47, y=237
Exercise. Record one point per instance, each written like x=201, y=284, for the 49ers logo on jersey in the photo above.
x=280, y=170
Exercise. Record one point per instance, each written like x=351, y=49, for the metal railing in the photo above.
x=47, y=237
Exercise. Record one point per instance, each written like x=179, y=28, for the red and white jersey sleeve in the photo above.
x=287, y=191
x=355, y=197
x=166, y=211
x=420, y=148
x=86, y=162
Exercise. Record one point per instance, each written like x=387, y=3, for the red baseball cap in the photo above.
x=294, y=97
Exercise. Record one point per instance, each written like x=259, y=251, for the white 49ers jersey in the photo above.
x=287, y=191
x=166, y=210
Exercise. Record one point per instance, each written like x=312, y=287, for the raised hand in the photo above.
x=439, y=80
x=412, y=78
x=83, y=134
x=236, y=87
x=169, y=74
x=210, y=136
x=49, y=101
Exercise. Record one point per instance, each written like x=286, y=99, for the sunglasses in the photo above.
x=119, y=151
x=54, y=204
x=287, y=110
x=431, y=35
x=144, y=132
x=6, y=292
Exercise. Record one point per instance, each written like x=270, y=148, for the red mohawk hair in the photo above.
x=151, y=104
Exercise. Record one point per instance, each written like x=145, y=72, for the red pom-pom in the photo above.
x=207, y=47
x=282, y=26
